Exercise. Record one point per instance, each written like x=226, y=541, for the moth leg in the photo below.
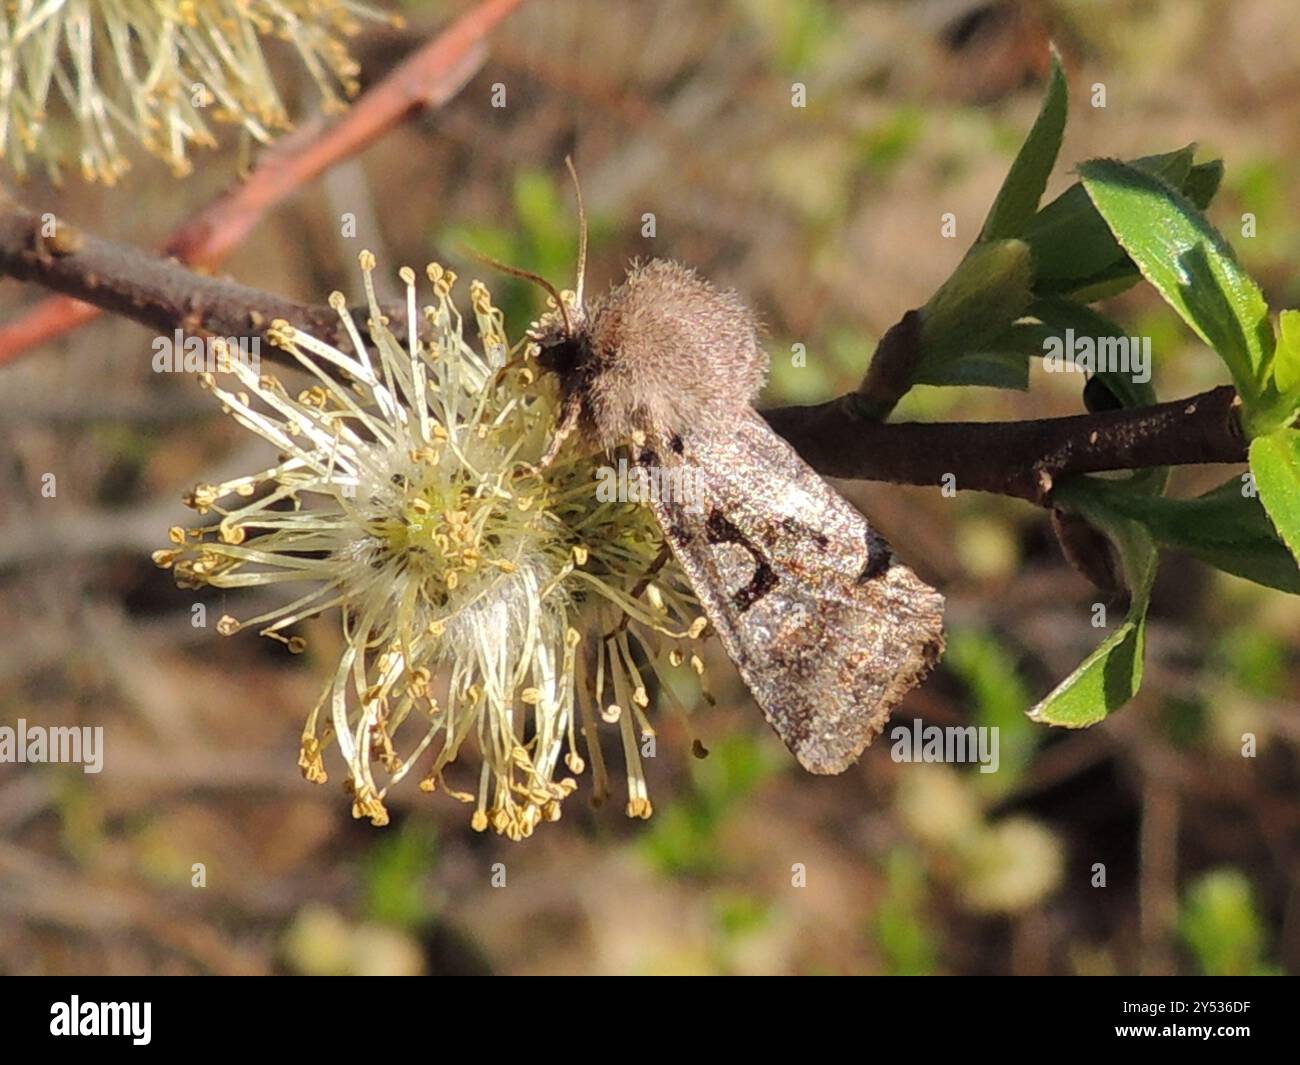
x=640, y=587
x=514, y=363
x=566, y=428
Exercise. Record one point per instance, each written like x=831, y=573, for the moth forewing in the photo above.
x=827, y=628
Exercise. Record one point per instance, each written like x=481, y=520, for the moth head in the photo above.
x=563, y=336
x=663, y=352
x=563, y=347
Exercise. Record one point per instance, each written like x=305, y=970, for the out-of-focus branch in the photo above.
x=429, y=78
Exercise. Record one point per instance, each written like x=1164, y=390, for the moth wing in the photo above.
x=828, y=629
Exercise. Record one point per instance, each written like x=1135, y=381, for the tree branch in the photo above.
x=1020, y=459
x=427, y=78
x=892, y=368
x=159, y=293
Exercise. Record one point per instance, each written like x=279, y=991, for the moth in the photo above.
x=826, y=627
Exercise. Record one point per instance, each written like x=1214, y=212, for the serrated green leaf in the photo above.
x=1071, y=242
x=1226, y=528
x=1275, y=462
x=1018, y=198
x=1189, y=264
x=1110, y=676
x=1235, y=324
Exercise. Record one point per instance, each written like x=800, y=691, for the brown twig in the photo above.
x=159, y=293
x=1021, y=459
x=428, y=78
x=893, y=366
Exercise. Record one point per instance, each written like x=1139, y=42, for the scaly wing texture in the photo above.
x=827, y=628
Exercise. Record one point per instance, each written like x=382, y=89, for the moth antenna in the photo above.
x=527, y=275
x=582, y=227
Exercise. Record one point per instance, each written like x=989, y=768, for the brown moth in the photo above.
x=828, y=629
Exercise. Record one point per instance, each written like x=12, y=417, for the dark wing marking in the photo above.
x=827, y=628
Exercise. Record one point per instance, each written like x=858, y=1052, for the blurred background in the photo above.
x=827, y=219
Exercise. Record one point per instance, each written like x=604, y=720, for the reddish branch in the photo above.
x=428, y=78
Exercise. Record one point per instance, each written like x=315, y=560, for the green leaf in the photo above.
x=1002, y=363
x=1226, y=528
x=1071, y=242
x=1286, y=360
x=1059, y=314
x=1113, y=281
x=1018, y=198
x=1203, y=182
x=980, y=369
x=975, y=306
x=1275, y=462
x=1110, y=676
x=1189, y=264
x=1237, y=328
